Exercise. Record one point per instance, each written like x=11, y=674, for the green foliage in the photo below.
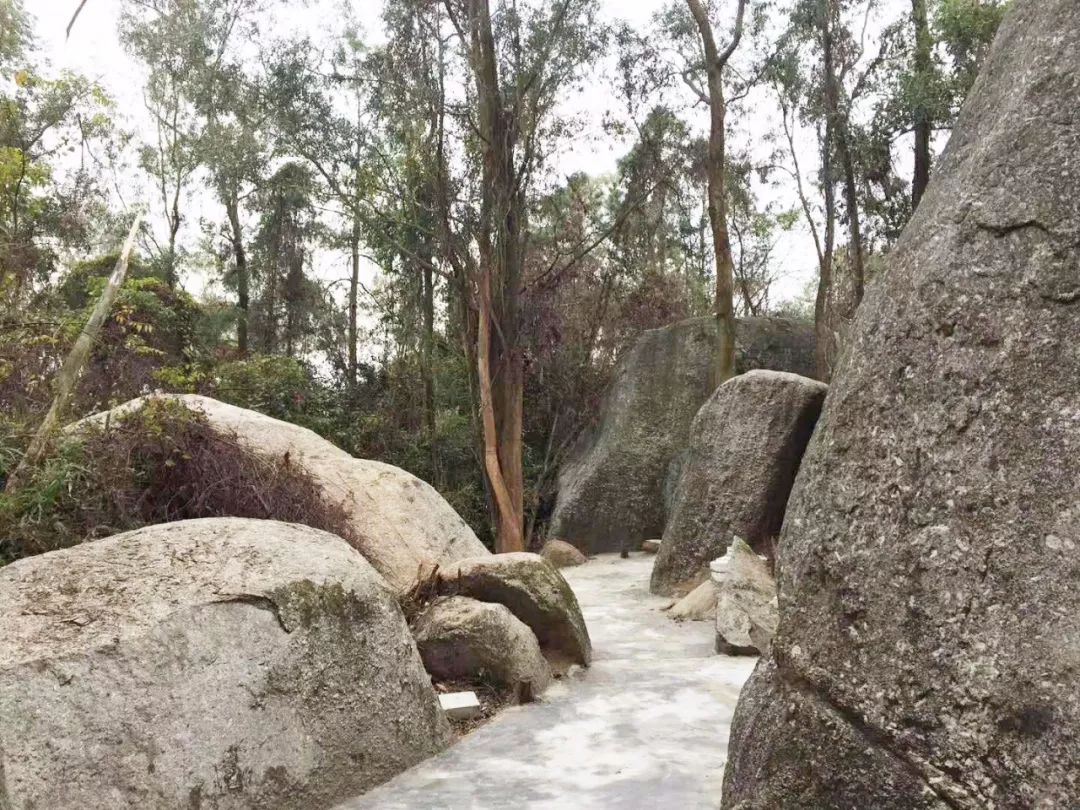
x=966, y=28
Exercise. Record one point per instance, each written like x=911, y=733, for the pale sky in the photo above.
x=94, y=50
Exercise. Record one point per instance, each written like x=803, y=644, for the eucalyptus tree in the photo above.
x=54, y=131
x=281, y=254
x=520, y=58
x=208, y=116
x=714, y=63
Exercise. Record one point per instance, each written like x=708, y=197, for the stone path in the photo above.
x=645, y=727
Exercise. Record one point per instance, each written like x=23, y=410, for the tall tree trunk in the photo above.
x=716, y=168
x=508, y=535
x=499, y=270
x=839, y=127
x=922, y=123
x=232, y=209
x=354, y=290
x=74, y=364
x=825, y=341
x=427, y=348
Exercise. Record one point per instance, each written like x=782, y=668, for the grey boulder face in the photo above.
x=562, y=555
x=461, y=639
x=611, y=491
x=535, y=592
x=745, y=447
x=400, y=523
x=746, y=601
x=221, y=663
x=929, y=641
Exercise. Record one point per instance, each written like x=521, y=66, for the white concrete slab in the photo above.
x=645, y=727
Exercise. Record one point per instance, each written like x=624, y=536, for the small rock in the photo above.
x=461, y=639
x=562, y=555
x=650, y=546
x=697, y=606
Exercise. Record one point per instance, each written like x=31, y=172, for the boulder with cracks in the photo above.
x=927, y=655
x=221, y=663
x=746, y=444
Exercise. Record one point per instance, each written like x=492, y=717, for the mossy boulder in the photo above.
x=535, y=592
x=223, y=663
x=464, y=640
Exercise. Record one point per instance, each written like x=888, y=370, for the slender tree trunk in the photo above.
x=716, y=168
x=243, y=280
x=74, y=364
x=825, y=343
x=508, y=528
x=922, y=123
x=427, y=349
x=354, y=293
x=836, y=115
x=174, y=229
x=500, y=269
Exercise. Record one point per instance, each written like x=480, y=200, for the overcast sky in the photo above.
x=94, y=50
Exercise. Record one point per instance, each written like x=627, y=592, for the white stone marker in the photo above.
x=460, y=705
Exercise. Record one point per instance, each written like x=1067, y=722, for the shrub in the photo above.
x=159, y=464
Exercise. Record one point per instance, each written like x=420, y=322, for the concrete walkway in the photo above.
x=645, y=727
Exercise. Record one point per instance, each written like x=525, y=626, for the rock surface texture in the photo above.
x=400, y=523
x=535, y=592
x=746, y=443
x=611, y=492
x=562, y=555
x=219, y=663
x=461, y=639
x=929, y=642
x=697, y=606
x=746, y=603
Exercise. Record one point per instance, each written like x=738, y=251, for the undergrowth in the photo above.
x=159, y=464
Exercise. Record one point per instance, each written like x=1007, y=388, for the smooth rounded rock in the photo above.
x=223, y=663
x=464, y=640
x=535, y=592
x=400, y=524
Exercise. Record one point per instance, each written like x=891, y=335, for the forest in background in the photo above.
x=426, y=143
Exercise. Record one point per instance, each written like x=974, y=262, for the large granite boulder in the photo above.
x=535, y=592
x=611, y=491
x=928, y=652
x=222, y=663
x=399, y=522
x=746, y=443
x=463, y=640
